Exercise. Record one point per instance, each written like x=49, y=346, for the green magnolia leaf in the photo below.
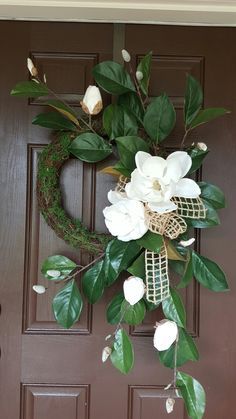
x=197, y=156
x=173, y=308
x=134, y=314
x=173, y=252
x=122, y=356
x=93, y=282
x=145, y=67
x=89, y=147
x=128, y=147
x=159, y=119
x=212, y=194
x=53, y=120
x=187, y=274
x=118, y=122
x=30, y=89
x=193, y=394
x=138, y=267
x=58, y=263
x=118, y=257
x=193, y=100
x=211, y=220
x=186, y=351
x=63, y=109
x=113, y=78
x=113, y=313
x=122, y=169
x=208, y=273
x=150, y=306
x=151, y=241
x=131, y=102
x=67, y=305
x=207, y=115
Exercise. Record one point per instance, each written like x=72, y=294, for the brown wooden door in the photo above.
x=47, y=372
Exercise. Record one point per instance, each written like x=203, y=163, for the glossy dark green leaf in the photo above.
x=131, y=102
x=93, y=282
x=122, y=356
x=90, y=147
x=128, y=147
x=122, y=169
x=174, y=309
x=211, y=220
x=145, y=67
x=67, y=305
x=138, y=267
x=159, y=119
x=113, y=78
x=150, y=306
x=186, y=351
x=212, y=194
x=187, y=274
x=118, y=122
x=206, y=115
x=30, y=89
x=118, y=257
x=193, y=394
x=135, y=314
x=151, y=241
x=197, y=156
x=193, y=100
x=63, y=109
x=53, y=120
x=59, y=263
x=113, y=313
x=208, y=273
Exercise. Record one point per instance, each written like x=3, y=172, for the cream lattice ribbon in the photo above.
x=157, y=278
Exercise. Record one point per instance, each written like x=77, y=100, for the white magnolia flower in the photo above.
x=170, y=404
x=125, y=55
x=106, y=353
x=165, y=334
x=202, y=146
x=134, y=289
x=139, y=75
x=39, y=289
x=157, y=180
x=125, y=218
x=53, y=273
x=32, y=69
x=92, y=101
x=186, y=243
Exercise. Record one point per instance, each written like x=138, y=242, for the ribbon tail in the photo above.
x=157, y=278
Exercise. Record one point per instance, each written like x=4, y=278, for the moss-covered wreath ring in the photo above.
x=49, y=196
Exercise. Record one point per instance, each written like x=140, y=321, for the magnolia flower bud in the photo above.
x=134, y=289
x=165, y=334
x=39, y=289
x=139, y=75
x=186, y=243
x=92, y=101
x=125, y=55
x=106, y=353
x=170, y=405
x=32, y=69
x=202, y=146
x=53, y=273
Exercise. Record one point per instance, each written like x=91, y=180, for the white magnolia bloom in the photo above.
x=39, y=289
x=156, y=180
x=134, y=289
x=139, y=75
x=106, y=353
x=32, y=69
x=170, y=404
x=165, y=334
x=202, y=146
x=186, y=243
x=125, y=55
x=125, y=218
x=92, y=101
x=53, y=273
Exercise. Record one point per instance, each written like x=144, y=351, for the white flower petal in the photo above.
x=162, y=207
x=134, y=289
x=186, y=243
x=92, y=100
x=39, y=289
x=114, y=196
x=187, y=188
x=184, y=160
x=173, y=171
x=140, y=158
x=202, y=146
x=54, y=273
x=170, y=404
x=154, y=167
x=165, y=334
x=106, y=353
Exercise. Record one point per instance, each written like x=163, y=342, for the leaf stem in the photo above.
x=136, y=85
x=184, y=138
x=82, y=268
x=175, y=361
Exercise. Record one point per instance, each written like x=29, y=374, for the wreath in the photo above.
x=153, y=208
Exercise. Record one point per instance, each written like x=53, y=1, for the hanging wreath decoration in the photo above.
x=152, y=210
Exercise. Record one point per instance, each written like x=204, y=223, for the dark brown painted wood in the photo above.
x=47, y=372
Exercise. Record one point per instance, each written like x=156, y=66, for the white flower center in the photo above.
x=156, y=185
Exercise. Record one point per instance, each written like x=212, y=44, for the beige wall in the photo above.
x=198, y=12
